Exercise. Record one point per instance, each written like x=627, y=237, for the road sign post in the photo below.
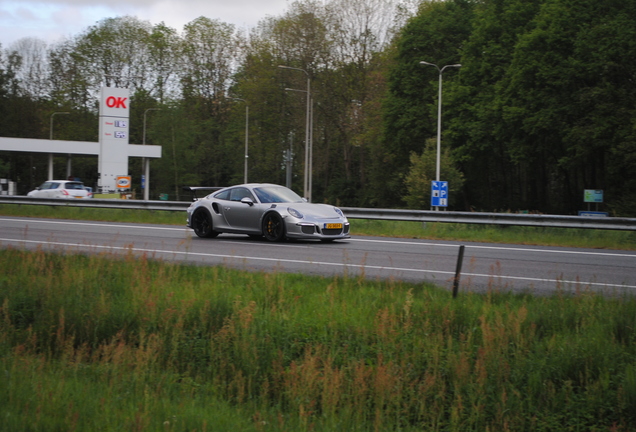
x=439, y=194
x=593, y=196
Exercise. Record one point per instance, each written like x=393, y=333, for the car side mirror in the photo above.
x=248, y=201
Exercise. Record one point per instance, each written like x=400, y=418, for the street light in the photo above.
x=247, y=131
x=308, y=178
x=146, y=162
x=308, y=136
x=439, y=112
x=51, y=138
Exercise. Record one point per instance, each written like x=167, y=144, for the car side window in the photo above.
x=223, y=195
x=239, y=193
x=264, y=197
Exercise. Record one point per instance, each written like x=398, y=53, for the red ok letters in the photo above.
x=116, y=102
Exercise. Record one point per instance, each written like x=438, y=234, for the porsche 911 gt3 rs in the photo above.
x=268, y=210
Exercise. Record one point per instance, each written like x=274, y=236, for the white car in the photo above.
x=65, y=189
x=265, y=210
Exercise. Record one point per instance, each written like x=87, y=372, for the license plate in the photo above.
x=78, y=196
x=333, y=226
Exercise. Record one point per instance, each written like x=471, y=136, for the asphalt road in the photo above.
x=538, y=269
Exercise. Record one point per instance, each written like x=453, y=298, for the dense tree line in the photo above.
x=542, y=108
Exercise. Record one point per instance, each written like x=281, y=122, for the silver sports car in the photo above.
x=268, y=210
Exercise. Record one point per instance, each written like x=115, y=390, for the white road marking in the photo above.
x=410, y=243
x=305, y=262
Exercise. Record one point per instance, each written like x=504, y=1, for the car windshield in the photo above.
x=276, y=194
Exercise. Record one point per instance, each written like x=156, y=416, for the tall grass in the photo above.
x=588, y=238
x=105, y=343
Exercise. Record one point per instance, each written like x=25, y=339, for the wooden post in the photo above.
x=458, y=270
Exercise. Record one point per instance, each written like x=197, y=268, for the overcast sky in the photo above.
x=52, y=20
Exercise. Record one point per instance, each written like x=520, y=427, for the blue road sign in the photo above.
x=593, y=213
x=439, y=194
x=593, y=195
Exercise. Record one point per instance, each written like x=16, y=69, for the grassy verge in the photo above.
x=98, y=343
x=600, y=239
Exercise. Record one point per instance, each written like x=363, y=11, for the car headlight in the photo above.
x=340, y=213
x=295, y=213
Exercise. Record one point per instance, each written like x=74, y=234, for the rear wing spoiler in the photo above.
x=201, y=189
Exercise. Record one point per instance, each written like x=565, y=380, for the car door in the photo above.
x=52, y=191
x=239, y=215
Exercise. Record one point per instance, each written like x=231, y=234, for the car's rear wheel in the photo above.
x=273, y=227
x=202, y=224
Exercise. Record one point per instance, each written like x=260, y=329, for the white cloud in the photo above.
x=56, y=19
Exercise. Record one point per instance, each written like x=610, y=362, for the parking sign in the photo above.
x=439, y=194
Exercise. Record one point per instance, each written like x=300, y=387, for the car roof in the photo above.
x=252, y=185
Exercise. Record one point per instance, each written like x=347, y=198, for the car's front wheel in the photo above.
x=202, y=224
x=273, y=227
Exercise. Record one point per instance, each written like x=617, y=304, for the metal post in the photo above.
x=289, y=161
x=311, y=148
x=145, y=163
x=51, y=139
x=146, y=179
x=439, y=117
x=50, y=166
x=247, y=134
x=308, y=144
x=308, y=135
x=439, y=128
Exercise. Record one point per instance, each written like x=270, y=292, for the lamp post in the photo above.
x=247, y=131
x=308, y=136
x=51, y=138
x=146, y=162
x=439, y=113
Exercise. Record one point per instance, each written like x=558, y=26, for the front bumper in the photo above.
x=317, y=230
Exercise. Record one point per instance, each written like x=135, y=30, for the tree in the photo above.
x=573, y=102
x=163, y=45
x=32, y=73
x=437, y=35
x=478, y=130
x=209, y=52
x=422, y=173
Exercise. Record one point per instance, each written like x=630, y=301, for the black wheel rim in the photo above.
x=201, y=223
x=273, y=227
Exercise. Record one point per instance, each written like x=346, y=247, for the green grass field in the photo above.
x=110, y=343
x=122, y=343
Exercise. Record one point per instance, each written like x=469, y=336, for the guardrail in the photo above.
x=536, y=220
x=98, y=203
